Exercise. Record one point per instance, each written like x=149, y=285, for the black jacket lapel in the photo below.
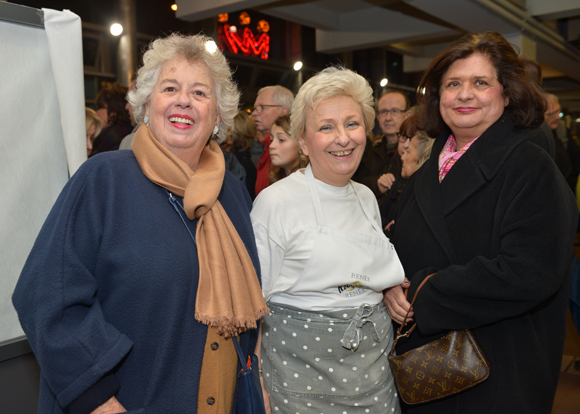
x=428, y=195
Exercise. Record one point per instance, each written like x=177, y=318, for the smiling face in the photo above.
x=471, y=97
x=182, y=109
x=283, y=150
x=334, y=139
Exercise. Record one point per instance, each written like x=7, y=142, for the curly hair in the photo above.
x=526, y=103
x=193, y=49
x=332, y=81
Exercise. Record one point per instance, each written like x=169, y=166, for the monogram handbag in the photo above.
x=440, y=368
x=248, y=397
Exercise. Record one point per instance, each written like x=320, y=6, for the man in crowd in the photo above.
x=128, y=140
x=567, y=152
x=541, y=136
x=381, y=164
x=271, y=103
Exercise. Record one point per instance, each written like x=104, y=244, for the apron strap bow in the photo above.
x=352, y=336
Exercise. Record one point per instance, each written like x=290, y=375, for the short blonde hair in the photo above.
x=91, y=118
x=193, y=49
x=331, y=82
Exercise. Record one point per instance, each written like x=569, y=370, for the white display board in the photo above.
x=34, y=164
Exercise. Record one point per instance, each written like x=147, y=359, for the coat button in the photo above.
x=215, y=346
x=211, y=401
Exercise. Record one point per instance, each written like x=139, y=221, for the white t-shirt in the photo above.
x=285, y=228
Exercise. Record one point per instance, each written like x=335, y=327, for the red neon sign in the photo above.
x=247, y=44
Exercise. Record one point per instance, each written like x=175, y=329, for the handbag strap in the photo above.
x=240, y=354
x=410, y=331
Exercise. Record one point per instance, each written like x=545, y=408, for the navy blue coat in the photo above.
x=498, y=232
x=110, y=287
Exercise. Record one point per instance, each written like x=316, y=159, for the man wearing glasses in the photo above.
x=567, y=152
x=382, y=164
x=271, y=103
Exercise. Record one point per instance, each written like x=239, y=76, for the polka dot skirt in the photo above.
x=307, y=370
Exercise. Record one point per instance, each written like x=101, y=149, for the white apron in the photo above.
x=327, y=361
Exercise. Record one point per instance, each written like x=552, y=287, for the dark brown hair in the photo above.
x=409, y=127
x=533, y=70
x=526, y=102
x=113, y=99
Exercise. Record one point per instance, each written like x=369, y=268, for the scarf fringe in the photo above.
x=229, y=326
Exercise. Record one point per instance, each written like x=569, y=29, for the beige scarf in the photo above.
x=228, y=295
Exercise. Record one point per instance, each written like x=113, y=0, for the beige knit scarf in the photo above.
x=228, y=294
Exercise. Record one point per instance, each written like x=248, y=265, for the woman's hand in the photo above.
x=397, y=304
x=385, y=182
x=388, y=226
x=112, y=406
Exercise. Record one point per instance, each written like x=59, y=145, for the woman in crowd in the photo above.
x=285, y=153
x=94, y=127
x=241, y=138
x=144, y=268
x=112, y=103
x=325, y=262
x=415, y=154
x=489, y=214
x=414, y=149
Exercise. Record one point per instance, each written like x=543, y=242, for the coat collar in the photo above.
x=478, y=166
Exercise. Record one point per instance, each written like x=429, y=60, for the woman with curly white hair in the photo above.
x=145, y=268
x=325, y=263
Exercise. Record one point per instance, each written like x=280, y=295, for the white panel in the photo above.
x=33, y=164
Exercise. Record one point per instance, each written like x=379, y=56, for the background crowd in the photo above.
x=307, y=249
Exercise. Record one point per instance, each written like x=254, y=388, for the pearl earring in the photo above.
x=216, y=129
x=146, y=120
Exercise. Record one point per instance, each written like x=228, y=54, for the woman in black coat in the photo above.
x=492, y=216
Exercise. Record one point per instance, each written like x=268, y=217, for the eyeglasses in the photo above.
x=394, y=112
x=555, y=113
x=259, y=108
x=402, y=137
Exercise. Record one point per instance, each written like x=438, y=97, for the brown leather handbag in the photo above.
x=440, y=368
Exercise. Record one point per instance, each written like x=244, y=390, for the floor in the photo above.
x=567, y=399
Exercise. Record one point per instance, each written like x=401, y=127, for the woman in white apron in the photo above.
x=325, y=263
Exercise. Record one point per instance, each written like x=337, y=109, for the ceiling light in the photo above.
x=116, y=29
x=211, y=46
x=174, y=7
x=298, y=65
x=384, y=82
